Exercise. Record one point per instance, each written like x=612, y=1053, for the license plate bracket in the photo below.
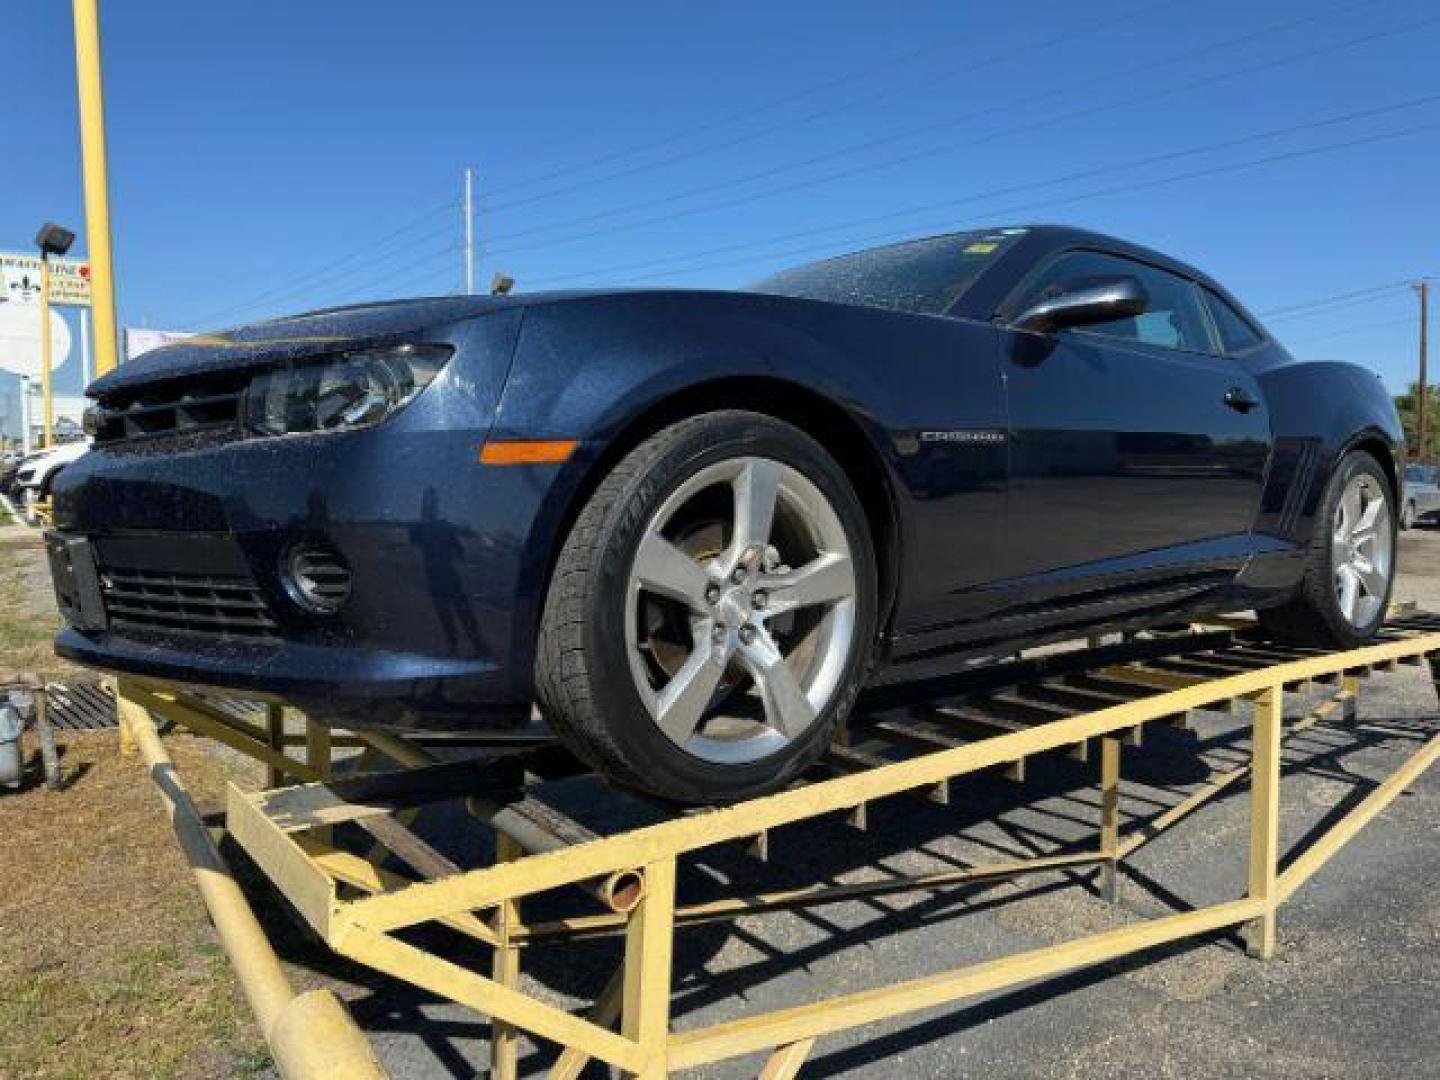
x=77, y=580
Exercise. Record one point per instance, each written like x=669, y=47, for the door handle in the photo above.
x=1239, y=400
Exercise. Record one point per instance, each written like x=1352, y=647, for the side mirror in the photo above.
x=1095, y=302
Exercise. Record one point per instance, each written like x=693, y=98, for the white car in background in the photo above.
x=1420, y=499
x=38, y=473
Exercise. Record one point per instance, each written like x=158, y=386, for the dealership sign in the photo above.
x=20, y=280
x=139, y=341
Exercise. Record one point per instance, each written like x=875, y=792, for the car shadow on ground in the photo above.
x=722, y=968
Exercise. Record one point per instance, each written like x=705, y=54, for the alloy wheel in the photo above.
x=740, y=610
x=1362, y=550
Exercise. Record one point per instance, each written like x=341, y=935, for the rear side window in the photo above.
x=1236, y=332
x=1175, y=319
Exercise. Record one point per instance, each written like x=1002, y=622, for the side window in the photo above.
x=1236, y=333
x=1175, y=319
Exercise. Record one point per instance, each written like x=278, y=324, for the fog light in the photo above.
x=317, y=578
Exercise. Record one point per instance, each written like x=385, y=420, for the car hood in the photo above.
x=293, y=337
x=316, y=332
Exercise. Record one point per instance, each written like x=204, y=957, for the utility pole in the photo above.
x=1421, y=400
x=97, y=186
x=469, y=234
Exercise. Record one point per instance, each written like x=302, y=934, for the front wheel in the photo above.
x=1350, y=566
x=711, y=615
x=1407, y=516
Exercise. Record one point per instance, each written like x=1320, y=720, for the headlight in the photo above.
x=337, y=392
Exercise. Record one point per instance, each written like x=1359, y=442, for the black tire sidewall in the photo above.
x=664, y=767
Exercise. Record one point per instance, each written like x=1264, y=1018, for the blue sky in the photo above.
x=272, y=157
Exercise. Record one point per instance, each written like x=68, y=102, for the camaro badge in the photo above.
x=964, y=436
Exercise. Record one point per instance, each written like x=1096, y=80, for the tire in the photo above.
x=624, y=621
x=1407, y=517
x=1315, y=615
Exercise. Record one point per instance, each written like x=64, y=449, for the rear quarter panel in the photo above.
x=1319, y=410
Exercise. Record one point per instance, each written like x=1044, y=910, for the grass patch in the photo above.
x=28, y=618
x=108, y=964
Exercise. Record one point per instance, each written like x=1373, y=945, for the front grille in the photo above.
x=197, y=406
x=218, y=606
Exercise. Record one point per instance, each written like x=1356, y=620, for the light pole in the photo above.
x=97, y=189
x=51, y=240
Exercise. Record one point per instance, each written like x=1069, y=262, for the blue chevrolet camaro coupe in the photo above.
x=692, y=526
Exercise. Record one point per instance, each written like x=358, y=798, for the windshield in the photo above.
x=923, y=277
x=1418, y=474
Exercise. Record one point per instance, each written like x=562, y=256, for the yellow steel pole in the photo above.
x=97, y=185
x=311, y=1035
x=1268, y=729
x=47, y=394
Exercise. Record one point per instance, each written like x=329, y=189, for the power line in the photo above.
x=317, y=282
x=1407, y=321
x=324, y=274
x=1390, y=293
x=1337, y=298
x=389, y=276
x=326, y=268
x=1066, y=117
x=1084, y=174
x=1009, y=212
x=970, y=67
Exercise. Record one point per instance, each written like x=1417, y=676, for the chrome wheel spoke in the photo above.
x=1371, y=580
x=1350, y=509
x=663, y=568
x=681, y=705
x=1349, y=590
x=757, y=489
x=824, y=580
x=1364, y=528
x=787, y=709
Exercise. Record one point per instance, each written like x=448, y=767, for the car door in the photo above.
x=1429, y=488
x=1137, y=450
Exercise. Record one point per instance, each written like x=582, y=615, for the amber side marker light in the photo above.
x=528, y=451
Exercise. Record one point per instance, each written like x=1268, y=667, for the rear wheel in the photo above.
x=711, y=614
x=1350, y=568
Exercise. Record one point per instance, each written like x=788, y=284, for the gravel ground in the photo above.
x=1353, y=992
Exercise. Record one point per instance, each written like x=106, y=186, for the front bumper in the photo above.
x=438, y=630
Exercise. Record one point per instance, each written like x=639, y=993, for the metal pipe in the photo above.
x=310, y=1035
x=49, y=756
x=523, y=822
